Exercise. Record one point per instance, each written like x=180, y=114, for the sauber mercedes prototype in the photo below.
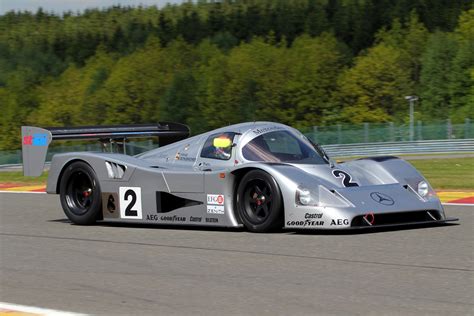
x=260, y=175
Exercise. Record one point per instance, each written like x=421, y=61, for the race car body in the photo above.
x=261, y=175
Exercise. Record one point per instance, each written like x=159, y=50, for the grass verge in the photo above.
x=455, y=173
x=17, y=177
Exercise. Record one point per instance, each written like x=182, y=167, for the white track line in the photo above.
x=22, y=192
x=36, y=310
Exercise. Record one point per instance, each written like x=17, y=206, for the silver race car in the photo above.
x=261, y=175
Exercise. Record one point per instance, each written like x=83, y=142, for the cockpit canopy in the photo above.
x=283, y=146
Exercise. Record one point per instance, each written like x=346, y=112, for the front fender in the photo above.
x=386, y=170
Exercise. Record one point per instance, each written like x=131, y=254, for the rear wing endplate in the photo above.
x=35, y=140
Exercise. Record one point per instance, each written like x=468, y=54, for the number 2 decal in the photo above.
x=346, y=178
x=130, y=202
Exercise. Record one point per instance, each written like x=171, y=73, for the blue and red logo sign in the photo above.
x=36, y=140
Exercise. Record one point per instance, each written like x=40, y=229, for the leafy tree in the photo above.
x=13, y=116
x=414, y=43
x=317, y=21
x=410, y=39
x=436, y=66
x=313, y=68
x=374, y=89
x=461, y=83
x=179, y=99
x=165, y=30
x=69, y=100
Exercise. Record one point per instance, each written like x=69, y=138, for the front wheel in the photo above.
x=80, y=193
x=259, y=202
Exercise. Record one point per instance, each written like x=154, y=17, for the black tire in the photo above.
x=259, y=202
x=80, y=193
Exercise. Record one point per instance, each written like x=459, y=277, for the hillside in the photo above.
x=299, y=62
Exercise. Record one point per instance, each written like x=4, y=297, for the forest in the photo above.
x=213, y=63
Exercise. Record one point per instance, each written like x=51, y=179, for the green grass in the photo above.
x=17, y=177
x=453, y=173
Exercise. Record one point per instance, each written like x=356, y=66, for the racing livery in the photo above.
x=261, y=175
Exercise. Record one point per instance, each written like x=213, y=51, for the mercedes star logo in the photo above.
x=381, y=198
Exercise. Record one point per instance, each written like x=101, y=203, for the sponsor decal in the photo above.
x=167, y=218
x=36, y=140
x=184, y=157
x=340, y=222
x=313, y=215
x=305, y=223
x=130, y=201
x=215, y=199
x=174, y=218
x=381, y=198
x=215, y=209
x=28, y=140
x=260, y=131
x=195, y=219
x=212, y=220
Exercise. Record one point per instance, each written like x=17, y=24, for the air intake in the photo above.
x=115, y=170
x=374, y=220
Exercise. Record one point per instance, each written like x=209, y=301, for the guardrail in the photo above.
x=399, y=148
x=364, y=149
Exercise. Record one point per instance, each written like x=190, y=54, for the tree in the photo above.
x=414, y=43
x=70, y=99
x=410, y=39
x=374, y=89
x=165, y=31
x=317, y=21
x=179, y=99
x=13, y=116
x=461, y=83
x=436, y=67
x=314, y=65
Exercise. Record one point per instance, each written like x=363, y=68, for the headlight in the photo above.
x=305, y=197
x=423, y=188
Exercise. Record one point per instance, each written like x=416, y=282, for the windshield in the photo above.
x=282, y=146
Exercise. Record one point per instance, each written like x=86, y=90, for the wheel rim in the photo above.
x=257, y=201
x=79, y=192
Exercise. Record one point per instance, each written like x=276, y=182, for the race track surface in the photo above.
x=148, y=270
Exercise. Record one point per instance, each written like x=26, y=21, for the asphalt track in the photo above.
x=148, y=270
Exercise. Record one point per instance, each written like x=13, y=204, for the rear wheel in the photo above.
x=80, y=193
x=259, y=202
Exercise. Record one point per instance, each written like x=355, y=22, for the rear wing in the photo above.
x=35, y=140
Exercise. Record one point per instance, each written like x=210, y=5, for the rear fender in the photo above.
x=96, y=160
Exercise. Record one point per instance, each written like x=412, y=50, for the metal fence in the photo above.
x=389, y=132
